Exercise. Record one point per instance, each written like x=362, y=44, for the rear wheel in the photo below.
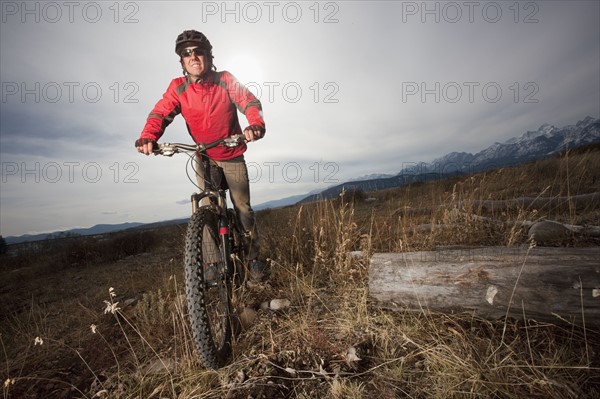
x=209, y=305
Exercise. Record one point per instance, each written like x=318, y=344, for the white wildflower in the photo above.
x=8, y=382
x=93, y=327
x=351, y=355
x=38, y=341
x=111, y=307
x=111, y=292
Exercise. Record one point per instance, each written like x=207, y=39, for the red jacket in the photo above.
x=209, y=108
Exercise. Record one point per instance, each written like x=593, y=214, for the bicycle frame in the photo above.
x=216, y=195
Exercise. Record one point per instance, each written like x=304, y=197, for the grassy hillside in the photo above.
x=105, y=317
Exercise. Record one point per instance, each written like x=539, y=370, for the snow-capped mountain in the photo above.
x=547, y=140
x=372, y=176
x=531, y=145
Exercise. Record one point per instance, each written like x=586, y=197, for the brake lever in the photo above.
x=166, y=149
x=234, y=141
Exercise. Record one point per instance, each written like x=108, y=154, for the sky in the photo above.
x=348, y=88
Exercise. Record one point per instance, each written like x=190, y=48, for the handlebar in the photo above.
x=168, y=149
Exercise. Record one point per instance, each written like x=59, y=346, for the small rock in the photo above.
x=130, y=302
x=264, y=306
x=548, y=230
x=278, y=304
x=159, y=366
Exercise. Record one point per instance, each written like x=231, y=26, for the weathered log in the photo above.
x=540, y=231
x=545, y=284
x=590, y=200
x=549, y=230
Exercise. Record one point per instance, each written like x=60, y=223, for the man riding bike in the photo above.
x=209, y=100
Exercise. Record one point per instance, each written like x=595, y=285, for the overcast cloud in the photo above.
x=348, y=88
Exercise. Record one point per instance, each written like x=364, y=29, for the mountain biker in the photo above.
x=209, y=100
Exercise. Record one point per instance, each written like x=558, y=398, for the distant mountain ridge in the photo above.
x=90, y=231
x=284, y=201
x=531, y=145
x=97, y=229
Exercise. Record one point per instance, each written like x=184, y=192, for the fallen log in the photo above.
x=541, y=231
x=589, y=200
x=545, y=284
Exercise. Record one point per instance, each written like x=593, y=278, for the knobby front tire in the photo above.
x=209, y=308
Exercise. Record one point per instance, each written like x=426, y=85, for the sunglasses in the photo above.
x=197, y=51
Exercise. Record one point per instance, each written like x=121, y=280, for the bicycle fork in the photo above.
x=217, y=205
x=226, y=243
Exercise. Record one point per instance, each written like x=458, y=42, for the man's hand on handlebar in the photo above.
x=145, y=146
x=254, y=132
x=148, y=146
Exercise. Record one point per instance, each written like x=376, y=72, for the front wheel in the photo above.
x=209, y=305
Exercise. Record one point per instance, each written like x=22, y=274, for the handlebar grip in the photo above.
x=169, y=149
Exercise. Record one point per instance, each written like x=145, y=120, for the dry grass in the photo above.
x=332, y=342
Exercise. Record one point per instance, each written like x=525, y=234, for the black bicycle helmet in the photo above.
x=189, y=37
